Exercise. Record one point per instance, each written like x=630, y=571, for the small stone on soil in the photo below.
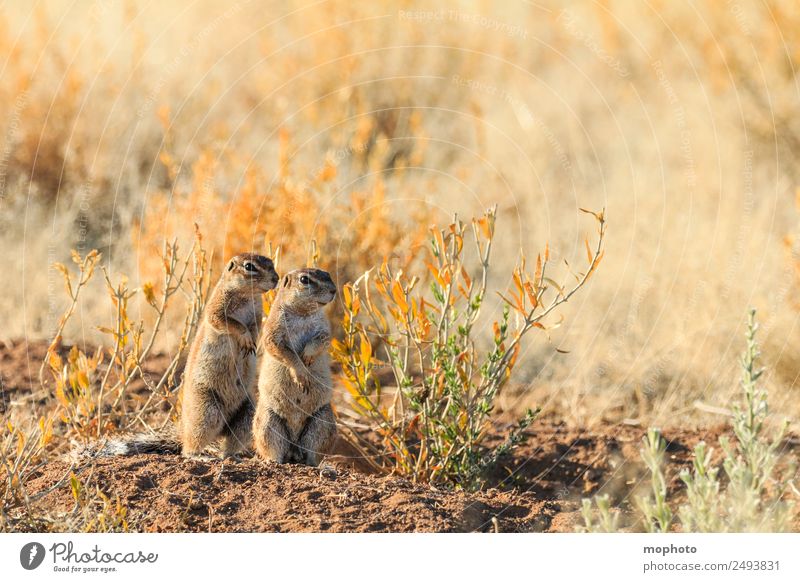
x=328, y=471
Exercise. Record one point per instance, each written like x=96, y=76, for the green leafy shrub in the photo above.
x=433, y=420
x=754, y=494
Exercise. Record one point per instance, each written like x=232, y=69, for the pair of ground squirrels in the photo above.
x=291, y=418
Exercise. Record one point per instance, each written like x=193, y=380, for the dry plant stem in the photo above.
x=21, y=454
x=174, y=275
x=119, y=296
x=533, y=318
x=86, y=270
x=84, y=398
x=200, y=287
x=359, y=444
x=14, y=478
x=171, y=284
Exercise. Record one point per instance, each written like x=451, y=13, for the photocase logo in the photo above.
x=31, y=555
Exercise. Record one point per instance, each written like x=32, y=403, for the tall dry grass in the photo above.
x=350, y=127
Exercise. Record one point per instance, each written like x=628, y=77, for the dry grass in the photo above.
x=356, y=126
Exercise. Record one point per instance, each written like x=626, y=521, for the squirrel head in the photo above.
x=306, y=290
x=252, y=271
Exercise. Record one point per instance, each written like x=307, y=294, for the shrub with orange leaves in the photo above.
x=296, y=217
x=91, y=390
x=434, y=419
x=300, y=215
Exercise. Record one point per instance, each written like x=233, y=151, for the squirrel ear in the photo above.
x=231, y=265
x=286, y=281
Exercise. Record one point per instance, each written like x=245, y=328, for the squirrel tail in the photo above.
x=163, y=442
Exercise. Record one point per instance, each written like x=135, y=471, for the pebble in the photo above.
x=328, y=471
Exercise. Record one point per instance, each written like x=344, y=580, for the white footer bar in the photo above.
x=389, y=557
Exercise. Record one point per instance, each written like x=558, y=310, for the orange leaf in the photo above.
x=518, y=281
x=483, y=224
x=596, y=264
x=366, y=351
x=466, y=277
x=435, y=272
x=513, y=304
x=399, y=297
x=531, y=294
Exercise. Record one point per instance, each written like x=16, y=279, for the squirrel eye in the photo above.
x=249, y=267
x=304, y=280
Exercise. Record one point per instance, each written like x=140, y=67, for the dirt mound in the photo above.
x=169, y=494
x=537, y=490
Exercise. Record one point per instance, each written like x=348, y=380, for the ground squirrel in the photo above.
x=218, y=396
x=294, y=422
x=218, y=388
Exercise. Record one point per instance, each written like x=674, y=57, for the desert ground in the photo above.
x=549, y=225
x=538, y=488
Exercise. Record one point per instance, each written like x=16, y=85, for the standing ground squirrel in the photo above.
x=294, y=422
x=218, y=388
x=218, y=384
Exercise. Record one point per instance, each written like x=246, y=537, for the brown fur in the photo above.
x=294, y=422
x=218, y=383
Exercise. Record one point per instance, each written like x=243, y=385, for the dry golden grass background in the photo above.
x=357, y=125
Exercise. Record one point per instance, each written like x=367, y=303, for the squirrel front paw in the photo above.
x=301, y=379
x=246, y=343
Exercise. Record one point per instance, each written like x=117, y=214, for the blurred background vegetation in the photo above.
x=343, y=130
